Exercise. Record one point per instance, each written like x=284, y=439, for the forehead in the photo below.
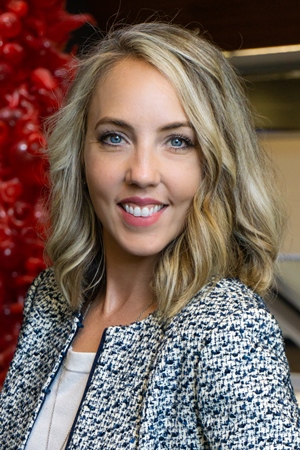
x=134, y=85
x=132, y=74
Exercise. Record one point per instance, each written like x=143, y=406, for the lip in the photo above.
x=141, y=201
x=138, y=221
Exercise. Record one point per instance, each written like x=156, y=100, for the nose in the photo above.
x=143, y=168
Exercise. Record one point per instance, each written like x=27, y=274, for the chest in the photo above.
x=141, y=391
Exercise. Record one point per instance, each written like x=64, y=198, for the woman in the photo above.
x=150, y=332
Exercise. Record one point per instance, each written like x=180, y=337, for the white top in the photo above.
x=60, y=407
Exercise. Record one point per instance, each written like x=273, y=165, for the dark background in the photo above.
x=273, y=81
x=231, y=24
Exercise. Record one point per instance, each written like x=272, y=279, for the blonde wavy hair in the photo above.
x=234, y=224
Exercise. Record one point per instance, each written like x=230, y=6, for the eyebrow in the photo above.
x=121, y=123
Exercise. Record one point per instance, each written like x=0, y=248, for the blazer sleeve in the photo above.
x=245, y=397
x=28, y=307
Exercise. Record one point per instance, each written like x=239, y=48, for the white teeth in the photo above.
x=142, y=212
x=137, y=212
x=145, y=212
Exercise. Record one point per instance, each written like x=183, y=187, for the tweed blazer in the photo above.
x=214, y=377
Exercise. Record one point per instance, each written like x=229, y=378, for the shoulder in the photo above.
x=242, y=373
x=221, y=299
x=44, y=296
x=44, y=281
x=229, y=308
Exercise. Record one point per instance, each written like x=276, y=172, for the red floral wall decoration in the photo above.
x=34, y=74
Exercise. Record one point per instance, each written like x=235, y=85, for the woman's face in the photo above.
x=141, y=159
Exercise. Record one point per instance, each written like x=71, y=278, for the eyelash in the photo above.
x=187, y=141
x=107, y=134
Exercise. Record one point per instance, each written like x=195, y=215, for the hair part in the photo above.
x=234, y=225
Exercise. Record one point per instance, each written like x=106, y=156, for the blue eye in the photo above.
x=181, y=142
x=110, y=138
x=115, y=138
x=177, y=142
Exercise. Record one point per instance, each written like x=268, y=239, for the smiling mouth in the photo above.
x=142, y=212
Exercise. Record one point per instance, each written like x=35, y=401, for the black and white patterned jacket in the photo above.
x=216, y=377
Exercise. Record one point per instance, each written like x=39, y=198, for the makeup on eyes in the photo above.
x=115, y=138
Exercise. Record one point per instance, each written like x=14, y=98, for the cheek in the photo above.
x=97, y=175
x=98, y=190
x=195, y=177
x=96, y=183
x=186, y=184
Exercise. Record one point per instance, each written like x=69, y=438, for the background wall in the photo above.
x=284, y=149
x=232, y=24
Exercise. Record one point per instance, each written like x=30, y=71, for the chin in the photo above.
x=144, y=251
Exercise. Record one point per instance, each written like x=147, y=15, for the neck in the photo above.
x=127, y=281
x=126, y=299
